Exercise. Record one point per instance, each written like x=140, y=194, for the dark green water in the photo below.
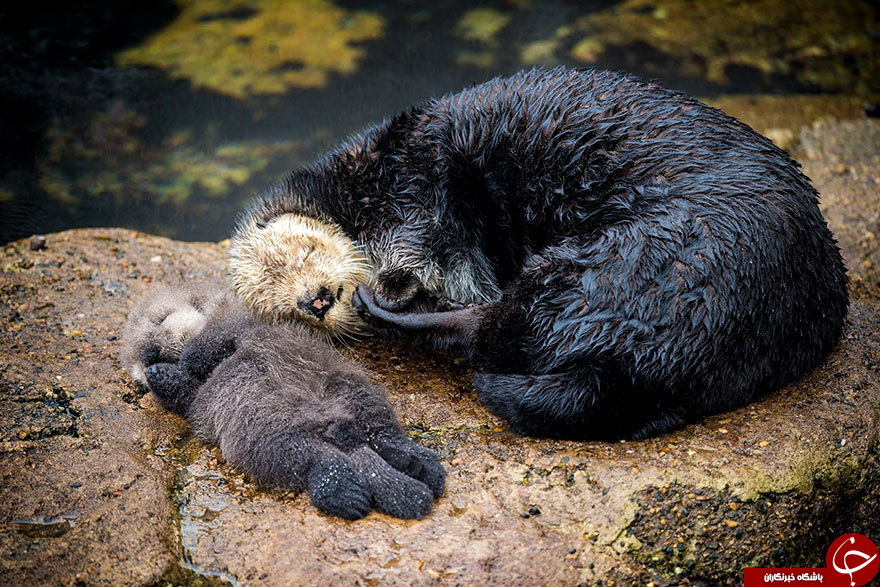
x=168, y=118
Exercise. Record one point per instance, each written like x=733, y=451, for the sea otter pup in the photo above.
x=616, y=258
x=282, y=405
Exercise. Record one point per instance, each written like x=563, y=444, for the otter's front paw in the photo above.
x=171, y=385
x=364, y=303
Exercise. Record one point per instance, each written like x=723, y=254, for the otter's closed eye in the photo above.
x=260, y=224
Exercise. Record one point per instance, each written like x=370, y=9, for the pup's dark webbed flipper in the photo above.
x=337, y=488
x=375, y=425
x=403, y=477
x=349, y=485
x=414, y=460
x=392, y=492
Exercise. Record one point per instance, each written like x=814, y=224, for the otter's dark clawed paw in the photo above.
x=448, y=305
x=364, y=302
x=171, y=385
x=360, y=301
x=455, y=322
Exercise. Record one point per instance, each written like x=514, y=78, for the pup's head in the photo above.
x=164, y=321
x=293, y=267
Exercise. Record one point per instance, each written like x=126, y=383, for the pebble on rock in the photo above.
x=38, y=242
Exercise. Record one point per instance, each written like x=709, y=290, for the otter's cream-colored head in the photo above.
x=297, y=268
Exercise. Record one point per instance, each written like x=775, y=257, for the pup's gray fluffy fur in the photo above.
x=282, y=405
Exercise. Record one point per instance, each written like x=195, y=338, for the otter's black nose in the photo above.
x=319, y=305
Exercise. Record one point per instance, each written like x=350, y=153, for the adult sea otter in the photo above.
x=615, y=258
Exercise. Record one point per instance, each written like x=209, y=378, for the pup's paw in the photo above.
x=163, y=378
x=393, y=492
x=150, y=353
x=416, y=461
x=338, y=489
x=171, y=385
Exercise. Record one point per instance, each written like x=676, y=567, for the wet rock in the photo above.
x=83, y=496
x=843, y=158
x=783, y=137
x=106, y=488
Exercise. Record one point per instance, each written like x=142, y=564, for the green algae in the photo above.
x=242, y=48
x=480, y=27
x=108, y=158
x=821, y=43
x=481, y=24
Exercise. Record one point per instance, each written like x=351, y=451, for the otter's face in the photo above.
x=295, y=267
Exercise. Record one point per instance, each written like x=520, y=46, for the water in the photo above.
x=171, y=119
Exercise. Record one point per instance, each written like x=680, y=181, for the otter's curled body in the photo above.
x=282, y=405
x=632, y=259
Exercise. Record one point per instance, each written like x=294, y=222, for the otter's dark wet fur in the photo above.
x=634, y=259
x=282, y=405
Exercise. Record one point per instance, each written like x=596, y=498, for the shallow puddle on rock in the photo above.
x=46, y=527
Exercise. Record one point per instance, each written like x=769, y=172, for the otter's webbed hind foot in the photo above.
x=337, y=488
x=414, y=460
x=393, y=492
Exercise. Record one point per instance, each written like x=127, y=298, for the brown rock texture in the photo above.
x=98, y=485
x=843, y=158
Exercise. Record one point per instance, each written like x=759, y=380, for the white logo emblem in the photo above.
x=856, y=553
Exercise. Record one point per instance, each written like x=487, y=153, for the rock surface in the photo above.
x=98, y=485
